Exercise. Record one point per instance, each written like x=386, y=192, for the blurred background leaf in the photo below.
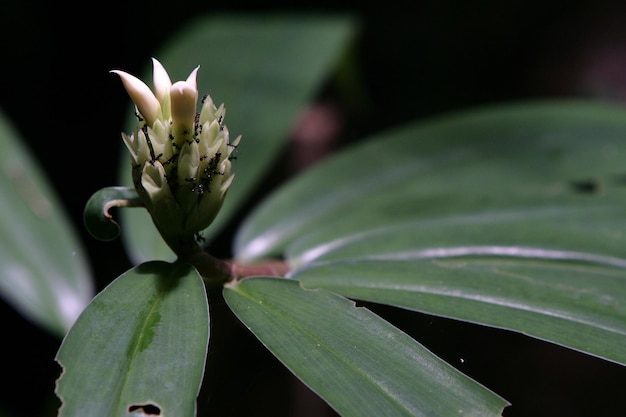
x=45, y=274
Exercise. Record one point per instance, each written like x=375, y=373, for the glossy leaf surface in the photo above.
x=264, y=69
x=44, y=273
x=140, y=346
x=357, y=362
x=510, y=216
x=576, y=305
x=98, y=219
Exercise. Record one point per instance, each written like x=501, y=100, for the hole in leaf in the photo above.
x=147, y=409
x=586, y=186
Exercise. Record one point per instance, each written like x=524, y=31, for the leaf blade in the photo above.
x=357, y=362
x=552, y=300
x=496, y=157
x=141, y=342
x=543, y=179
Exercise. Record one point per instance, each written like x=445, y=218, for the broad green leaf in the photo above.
x=510, y=216
x=515, y=157
x=357, y=362
x=264, y=68
x=139, y=346
x=574, y=304
x=44, y=275
x=506, y=269
x=576, y=225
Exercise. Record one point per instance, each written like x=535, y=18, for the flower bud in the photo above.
x=181, y=158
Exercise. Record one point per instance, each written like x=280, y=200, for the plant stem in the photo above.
x=217, y=272
x=270, y=267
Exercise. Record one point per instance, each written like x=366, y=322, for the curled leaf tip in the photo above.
x=97, y=217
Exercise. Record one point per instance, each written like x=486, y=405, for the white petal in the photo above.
x=184, y=98
x=226, y=184
x=143, y=150
x=188, y=161
x=140, y=93
x=193, y=76
x=208, y=110
x=160, y=140
x=154, y=181
x=235, y=143
x=132, y=145
x=162, y=82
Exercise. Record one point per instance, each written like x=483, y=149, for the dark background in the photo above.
x=415, y=61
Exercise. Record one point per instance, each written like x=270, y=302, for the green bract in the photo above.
x=180, y=157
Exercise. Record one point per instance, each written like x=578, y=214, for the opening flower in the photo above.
x=181, y=158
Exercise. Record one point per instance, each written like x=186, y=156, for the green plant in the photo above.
x=507, y=216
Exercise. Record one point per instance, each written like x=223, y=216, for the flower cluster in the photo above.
x=181, y=158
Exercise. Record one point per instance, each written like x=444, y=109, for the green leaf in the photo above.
x=508, y=216
x=357, y=362
x=44, y=275
x=97, y=218
x=574, y=304
x=264, y=68
x=140, y=345
x=515, y=157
